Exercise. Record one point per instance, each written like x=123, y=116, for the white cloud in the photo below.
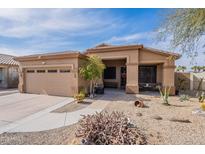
x=133, y=37
x=21, y=23
x=11, y=51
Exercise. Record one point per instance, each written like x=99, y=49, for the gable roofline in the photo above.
x=53, y=55
x=112, y=48
x=163, y=52
x=109, y=48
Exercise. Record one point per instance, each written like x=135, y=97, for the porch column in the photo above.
x=132, y=86
x=168, y=77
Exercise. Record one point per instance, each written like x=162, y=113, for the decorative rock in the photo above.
x=139, y=114
x=156, y=117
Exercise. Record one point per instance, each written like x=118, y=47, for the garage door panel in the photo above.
x=62, y=84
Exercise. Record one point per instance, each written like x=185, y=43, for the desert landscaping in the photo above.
x=158, y=123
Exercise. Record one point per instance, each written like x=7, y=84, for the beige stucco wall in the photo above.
x=182, y=80
x=159, y=73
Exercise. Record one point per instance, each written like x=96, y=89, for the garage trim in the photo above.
x=59, y=65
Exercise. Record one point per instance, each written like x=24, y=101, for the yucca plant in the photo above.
x=165, y=94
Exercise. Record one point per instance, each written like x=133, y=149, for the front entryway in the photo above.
x=115, y=73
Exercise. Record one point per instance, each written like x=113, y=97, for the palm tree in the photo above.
x=178, y=69
x=199, y=68
x=203, y=68
x=194, y=68
x=183, y=68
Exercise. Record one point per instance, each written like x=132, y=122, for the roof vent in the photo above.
x=103, y=45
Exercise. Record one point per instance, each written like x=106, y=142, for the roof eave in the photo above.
x=113, y=48
x=49, y=57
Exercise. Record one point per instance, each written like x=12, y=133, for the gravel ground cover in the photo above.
x=155, y=121
x=64, y=135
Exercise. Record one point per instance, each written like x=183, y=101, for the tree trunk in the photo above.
x=91, y=89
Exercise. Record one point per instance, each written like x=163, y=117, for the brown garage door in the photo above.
x=50, y=81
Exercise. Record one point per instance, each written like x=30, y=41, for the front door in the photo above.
x=123, y=77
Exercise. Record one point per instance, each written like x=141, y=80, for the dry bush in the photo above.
x=108, y=128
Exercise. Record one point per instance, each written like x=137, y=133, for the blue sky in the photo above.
x=30, y=31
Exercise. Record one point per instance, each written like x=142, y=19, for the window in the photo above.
x=64, y=70
x=30, y=71
x=110, y=73
x=41, y=71
x=52, y=71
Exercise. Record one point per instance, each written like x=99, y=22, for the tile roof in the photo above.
x=7, y=60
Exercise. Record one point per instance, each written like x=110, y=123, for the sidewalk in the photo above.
x=45, y=120
x=8, y=91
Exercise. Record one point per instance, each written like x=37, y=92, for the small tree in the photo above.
x=178, y=69
x=92, y=71
x=185, y=27
x=183, y=68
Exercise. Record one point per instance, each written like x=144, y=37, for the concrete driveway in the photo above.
x=15, y=107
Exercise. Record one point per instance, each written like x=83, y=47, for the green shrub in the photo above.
x=80, y=97
x=184, y=98
x=201, y=97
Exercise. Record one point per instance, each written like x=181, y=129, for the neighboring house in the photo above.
x=129, y=67
x=8, y=71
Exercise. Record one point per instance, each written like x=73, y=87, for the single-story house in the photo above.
x=129, y=67
x=8, y=71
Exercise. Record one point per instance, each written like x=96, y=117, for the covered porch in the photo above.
x=136, y=68
x=148, y=76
